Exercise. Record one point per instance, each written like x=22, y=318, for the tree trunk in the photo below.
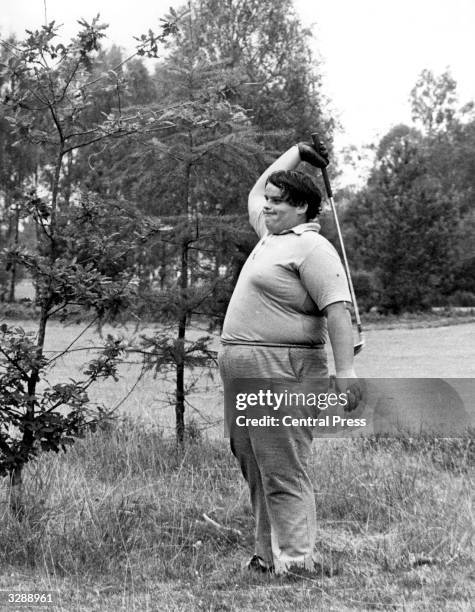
x=182, y=320
x=28, y=438
x=68, y=179
x=13, y=270
x=54, y=201
x=180, y=366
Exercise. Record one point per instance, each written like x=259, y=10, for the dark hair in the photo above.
x=298, y=188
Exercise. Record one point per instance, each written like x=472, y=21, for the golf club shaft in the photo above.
x=345, y=263
x=329, y=191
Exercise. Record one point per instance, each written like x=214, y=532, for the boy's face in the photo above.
x=279, y=215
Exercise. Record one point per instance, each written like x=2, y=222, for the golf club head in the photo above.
x=358, y=346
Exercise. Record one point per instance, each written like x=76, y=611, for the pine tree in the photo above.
x=209, y=138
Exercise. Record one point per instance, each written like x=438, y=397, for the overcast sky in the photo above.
x=372, y=50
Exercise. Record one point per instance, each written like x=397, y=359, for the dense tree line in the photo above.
x=410, y=230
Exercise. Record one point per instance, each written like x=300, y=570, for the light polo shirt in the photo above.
x=283, y=287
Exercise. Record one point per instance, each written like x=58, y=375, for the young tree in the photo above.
x=85, y=257
x=92, y=271
x=210, y=138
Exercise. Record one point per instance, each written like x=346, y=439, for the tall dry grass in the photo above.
x=124, y=507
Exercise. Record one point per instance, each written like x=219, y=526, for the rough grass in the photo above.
x=117, y=523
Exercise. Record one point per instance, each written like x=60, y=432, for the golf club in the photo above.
x=359, y=345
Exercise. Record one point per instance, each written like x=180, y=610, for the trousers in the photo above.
x=274, y=458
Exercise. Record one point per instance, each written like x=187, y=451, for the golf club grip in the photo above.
x=326, y=180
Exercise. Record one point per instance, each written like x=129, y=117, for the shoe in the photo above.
x=257, y=564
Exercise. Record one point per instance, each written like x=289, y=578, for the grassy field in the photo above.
x=414, y=348
x=117, y=522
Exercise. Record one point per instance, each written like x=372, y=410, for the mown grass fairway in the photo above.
x=117, y=522
x=404, y=350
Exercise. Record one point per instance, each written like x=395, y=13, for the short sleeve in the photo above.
x=323, y=276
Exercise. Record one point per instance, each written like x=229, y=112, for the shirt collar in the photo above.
x=311, y=226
